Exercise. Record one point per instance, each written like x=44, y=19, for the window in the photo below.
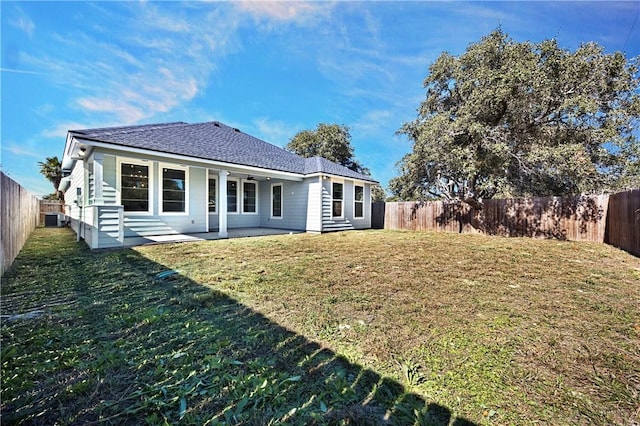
x=134, y=187
x=213, y=195
x=249, y=197
x=276, y=200
x=232, y=196
x=358, y=201
x=337, y=196
x=174, y=194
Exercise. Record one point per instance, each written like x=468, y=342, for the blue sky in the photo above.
x=271, y=69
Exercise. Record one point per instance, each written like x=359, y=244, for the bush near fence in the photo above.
x=612, y=219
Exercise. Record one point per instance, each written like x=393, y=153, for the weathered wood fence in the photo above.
x=623, y=221
x=614, y=219
x=19, y=215
x=48, y=206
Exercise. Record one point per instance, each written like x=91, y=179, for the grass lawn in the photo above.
x=372, y=327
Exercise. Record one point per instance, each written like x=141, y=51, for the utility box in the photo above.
x=53, y=220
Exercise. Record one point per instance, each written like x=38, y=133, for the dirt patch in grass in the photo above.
x=358, y=327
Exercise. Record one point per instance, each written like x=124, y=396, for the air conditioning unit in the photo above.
x=62, y=220
x=55, y=220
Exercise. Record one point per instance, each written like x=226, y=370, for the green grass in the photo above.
x=371, y=327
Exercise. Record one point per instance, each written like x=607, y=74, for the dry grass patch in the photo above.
x=350, y=328
x=505, y=330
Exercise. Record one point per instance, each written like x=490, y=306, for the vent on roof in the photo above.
x=237, y=130
x=215, y=123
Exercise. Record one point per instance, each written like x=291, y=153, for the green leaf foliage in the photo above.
x=51, y=169
x=330, y=141
x=523, y=119
x=333, y=142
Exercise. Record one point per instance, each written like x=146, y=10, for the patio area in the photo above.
x=203, y=236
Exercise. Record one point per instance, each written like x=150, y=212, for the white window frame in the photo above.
x=238, y=199
x=281, y=201
x=356, y=201
x=215, y=196
x=341, y=182
x=150, y=180
x=255, y=184
x=163, y=166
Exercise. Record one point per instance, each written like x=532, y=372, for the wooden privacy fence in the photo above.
x=614, y=219
x=48, y=206
x=623, y=221
x=19, y=214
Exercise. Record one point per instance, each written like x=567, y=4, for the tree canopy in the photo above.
x=523, y=119
x=51, y=169
x=333, y=142
x=330, y=141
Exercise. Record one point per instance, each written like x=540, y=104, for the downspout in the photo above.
x=79, y=203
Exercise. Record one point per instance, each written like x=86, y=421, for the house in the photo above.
x=180, y=178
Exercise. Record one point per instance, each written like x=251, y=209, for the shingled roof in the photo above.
x=217, y=142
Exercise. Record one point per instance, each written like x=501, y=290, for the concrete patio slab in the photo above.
x=204, y=236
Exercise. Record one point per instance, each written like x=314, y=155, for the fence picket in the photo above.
x=20, y=212
x=613, y=219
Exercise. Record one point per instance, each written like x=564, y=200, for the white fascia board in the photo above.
x=330, y=175
x=231, y=167
x=64, y=184
x=67, y=162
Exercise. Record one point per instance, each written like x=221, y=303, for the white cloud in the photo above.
x=275, y=132
x=281, y=10
x=374, y=122
x=60, y=130
x=19, y=71
x=157, y=61
x=21, y=150
x=23, y=22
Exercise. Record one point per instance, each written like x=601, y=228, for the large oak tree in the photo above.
x=523, y=119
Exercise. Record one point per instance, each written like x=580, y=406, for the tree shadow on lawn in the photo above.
x=132, y=349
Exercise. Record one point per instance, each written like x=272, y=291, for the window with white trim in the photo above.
x=276, y=201
x=337, y=197
x=358, y=202
x=232, y=196
x=174, y=190
x=249, y=197
x=213, y=195
x=134, y=187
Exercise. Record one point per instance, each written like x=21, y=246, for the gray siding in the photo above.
x=294, y=205
x=365, y=222
x=244, y=220
x=347, y=221
x=214, y=221
x=109, y=185
x=158, y=223
x=70, y=198
x=306, y=204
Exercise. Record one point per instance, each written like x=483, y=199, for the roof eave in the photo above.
x=322, y=174
x=186, y=158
